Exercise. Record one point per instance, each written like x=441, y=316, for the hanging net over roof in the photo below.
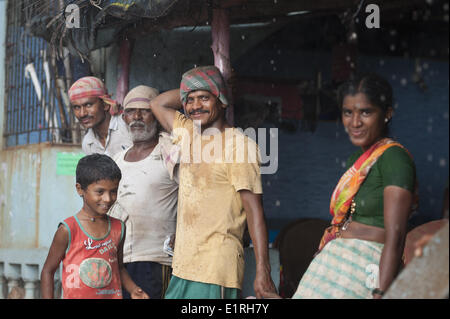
x=85, y=25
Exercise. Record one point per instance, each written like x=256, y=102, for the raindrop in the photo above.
x=429, y=128
x=404, y=82
x=381, y=62
x=392, y=47
x=272, y=62
x=442, y=162
x=430, y=157
x=446, y=115
x=274, y=68
x=343, y=164
x=277, y=203
x=243, y=37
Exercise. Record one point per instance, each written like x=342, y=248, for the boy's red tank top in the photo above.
x=90, y=266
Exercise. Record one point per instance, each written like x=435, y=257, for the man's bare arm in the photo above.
x=163, y=107
x=263, y=284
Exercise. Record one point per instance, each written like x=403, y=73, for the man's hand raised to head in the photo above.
x=164, y=106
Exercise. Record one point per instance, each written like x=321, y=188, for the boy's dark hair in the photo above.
x=95, y=167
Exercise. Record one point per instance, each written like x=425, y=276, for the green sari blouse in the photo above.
x=394, y=167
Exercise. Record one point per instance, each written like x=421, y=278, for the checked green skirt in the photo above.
x=344, y=269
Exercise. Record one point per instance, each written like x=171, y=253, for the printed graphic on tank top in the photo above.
x=90, y=267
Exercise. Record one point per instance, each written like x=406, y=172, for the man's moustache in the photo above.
x=137, y=124
x=198, y=111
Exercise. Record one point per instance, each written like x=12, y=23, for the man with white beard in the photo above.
x=147, y=195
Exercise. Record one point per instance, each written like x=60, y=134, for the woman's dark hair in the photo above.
x=95, y=167
x=376, y=88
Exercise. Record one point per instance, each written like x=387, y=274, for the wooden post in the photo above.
x=220, y=29
x=124, y=70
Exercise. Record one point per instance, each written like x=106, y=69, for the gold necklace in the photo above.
x=352, y=211
x=87, y=217
x=92, y=219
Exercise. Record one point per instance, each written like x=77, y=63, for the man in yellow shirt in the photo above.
x=219, y=192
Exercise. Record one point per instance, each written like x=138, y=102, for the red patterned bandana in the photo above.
x=91, y=86
x=207, y=78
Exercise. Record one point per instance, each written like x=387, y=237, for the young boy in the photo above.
x=90, y=243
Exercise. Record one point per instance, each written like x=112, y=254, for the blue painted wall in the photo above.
x=310, y=164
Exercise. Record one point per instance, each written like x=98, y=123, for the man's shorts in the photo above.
x=187, y=289
x=152, y=277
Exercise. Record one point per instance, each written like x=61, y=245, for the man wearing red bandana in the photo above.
x=98, y=113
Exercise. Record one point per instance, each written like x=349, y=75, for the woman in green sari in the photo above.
x=360, y=254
